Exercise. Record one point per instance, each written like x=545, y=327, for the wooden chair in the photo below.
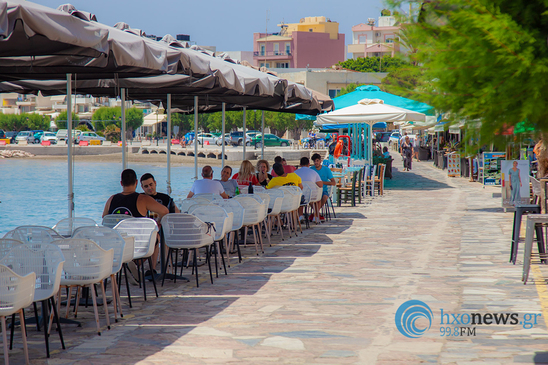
x=349, y=192
x=379, y=179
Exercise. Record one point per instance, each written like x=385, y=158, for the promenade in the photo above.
x=329, y=296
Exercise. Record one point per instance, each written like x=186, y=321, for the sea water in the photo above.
x=35, y=192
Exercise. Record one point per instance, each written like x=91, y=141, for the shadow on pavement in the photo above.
x=412, y=181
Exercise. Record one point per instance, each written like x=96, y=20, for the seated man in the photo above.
x=287, y=168
x=130, y=202
x=283, y=178
x=148, y=184
x=207, y=185
x=230, y=185
x=385, y=152
x=325, y=174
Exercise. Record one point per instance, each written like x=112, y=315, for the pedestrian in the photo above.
x=406, y=151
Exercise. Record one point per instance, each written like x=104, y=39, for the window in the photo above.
x=282, y=64
x=262, y=49
x=276, y=48
x=333, y=93
x=288, y=48
x=310, y=30
x=362, y=39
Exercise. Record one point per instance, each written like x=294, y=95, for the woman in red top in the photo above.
x=246, y=174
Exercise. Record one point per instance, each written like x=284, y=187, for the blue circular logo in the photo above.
x=407, y=315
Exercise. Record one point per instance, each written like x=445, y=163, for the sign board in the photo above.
x=453, y=165
x=492, y=168
x=515, y=182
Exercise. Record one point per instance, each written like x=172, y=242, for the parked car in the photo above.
x=37, y=135
x=63, y=133
x=27, y=136
x=394, y=138
x=236, y=138
x=49, y=136
x=2, y=134
x=88, y=136
x=206, y=137
x=250, y=136
x=270, y=140
x=11, y=136
x=218, y=140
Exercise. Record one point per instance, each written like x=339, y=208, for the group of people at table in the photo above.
x=135, y=204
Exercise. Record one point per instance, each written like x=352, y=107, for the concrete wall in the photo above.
x=62, y=150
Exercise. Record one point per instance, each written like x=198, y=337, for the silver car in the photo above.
x=25, y=136
x=88, y=136
x=227, y=139
x=49, y=136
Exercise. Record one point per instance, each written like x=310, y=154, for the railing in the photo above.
x=271, y=53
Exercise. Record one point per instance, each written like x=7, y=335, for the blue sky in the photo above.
x=229, y=25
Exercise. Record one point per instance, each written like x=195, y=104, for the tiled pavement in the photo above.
x=330, y=295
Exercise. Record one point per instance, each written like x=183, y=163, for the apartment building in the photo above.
x=376, y=39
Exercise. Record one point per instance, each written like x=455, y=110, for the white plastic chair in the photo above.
x=255, y=213
x=187, y=203
x=314, y=198
x=208, y=196
x=223, y=223
x=232, y=206
x=17, y=292
x=276, y=201
x=145, y=232
x=6, y=244
x=86, y=264
x=108, y=238
x=291, y=205
x=34, y=234
x=186, y=232
x=66, y=227
x=111, y=220
x=266, y=199
x=46, y=260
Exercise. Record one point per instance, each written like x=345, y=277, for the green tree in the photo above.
x=374, y=64
x=61, y=120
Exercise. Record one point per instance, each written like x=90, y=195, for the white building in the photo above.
x=370, y=40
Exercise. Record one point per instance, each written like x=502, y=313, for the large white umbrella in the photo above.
x=369, y=111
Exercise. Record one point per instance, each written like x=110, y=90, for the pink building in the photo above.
x=314, y=42
x=370, y=40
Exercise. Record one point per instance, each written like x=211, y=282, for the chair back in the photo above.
x=16, y=291
x=65, y=227
x=85, y=261
x=208, y=196
x=187, y=203
x=6, y=244
x=315, y=191
x=111, y=220
x=213, y=214
x=145, y=232
x=254, y=211
x=107, y=238
x=297, y=193
x=43, y=259
x=232, y=206
x=185, y=231
x=537, y=191
x=34, y=234
x=276, y=205
x=307, y=192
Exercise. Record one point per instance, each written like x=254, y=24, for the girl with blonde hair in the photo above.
x=246, y=175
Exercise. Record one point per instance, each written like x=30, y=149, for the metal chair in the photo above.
x=145, y=232
x=46, y=260
x=66, y=227
x=17, y=292
x=186, y=232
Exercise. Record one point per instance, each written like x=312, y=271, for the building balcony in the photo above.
x=272, y=55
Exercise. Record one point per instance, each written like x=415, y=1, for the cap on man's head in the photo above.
x=129, y=177
x=278, y=169
x=147, y=176
x=305, y=161
x=316, y=156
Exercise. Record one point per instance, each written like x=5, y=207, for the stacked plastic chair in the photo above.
x=186, y=232
x=223, y=224
x=65, y=227
x=232, y=206
x=87, y=264
x=17, y=292
x=46, y=260
x=255, y=213
x=145, y=232
x=108, y=238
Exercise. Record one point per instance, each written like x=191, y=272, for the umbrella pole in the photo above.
x=69, y=145
x=262, y=135
x=195, y=138
x=124, y=162
x=370, y=137
x=223, y=137
x=244, y=136
x=168, y=144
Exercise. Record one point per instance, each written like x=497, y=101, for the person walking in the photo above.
x=406, y=151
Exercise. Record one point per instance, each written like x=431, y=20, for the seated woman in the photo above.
x=385, y=152
x=246, y=174
x=262, y=172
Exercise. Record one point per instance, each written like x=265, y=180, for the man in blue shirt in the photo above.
x=325, y=174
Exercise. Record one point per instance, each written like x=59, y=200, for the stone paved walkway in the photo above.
x=330, y=295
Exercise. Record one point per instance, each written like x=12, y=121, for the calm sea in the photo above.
x=35, y=191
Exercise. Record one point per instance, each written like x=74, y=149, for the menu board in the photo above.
x=492, y=167
x=453, y=164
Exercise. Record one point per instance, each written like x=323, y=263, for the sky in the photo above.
x=228, y=25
